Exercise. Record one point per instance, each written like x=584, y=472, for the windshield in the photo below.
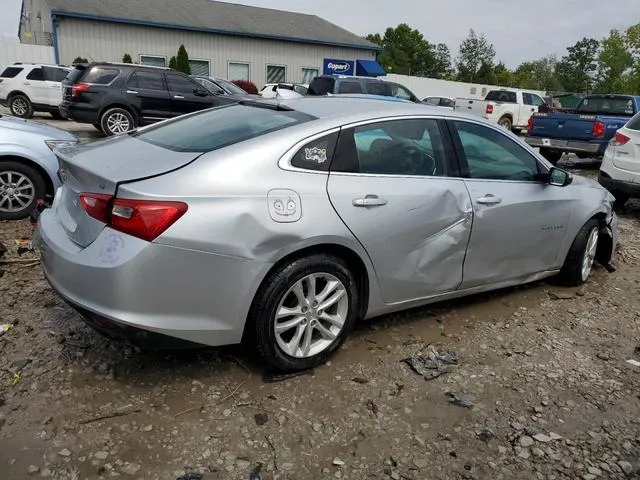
x=608, y=105
x=219, y=127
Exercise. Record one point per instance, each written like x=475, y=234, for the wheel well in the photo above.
x=17, y=92
x=45, y=176
x=118, y=105
x=605, y=243
x=507, y=115
x=352, y=259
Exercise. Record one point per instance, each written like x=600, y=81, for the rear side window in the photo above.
x=148, y=80
x=100, y=75
x=36, y=74
x=447, y=102
x=607, y=105
x=220, y=127
x=379, y=88
x=54, y=74
x=10, y=72
x=634, y=123
x=349, y=87
x=321, y=86
x=502, y=96
x=316, y=155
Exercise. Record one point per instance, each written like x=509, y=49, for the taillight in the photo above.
x=620, y=139
x=145, y=219
x=598, y=129
x=489, y=109
x=530, y=124
x=78, y=88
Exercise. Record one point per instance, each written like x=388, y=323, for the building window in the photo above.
x=276, y=74
x=153, y=60
x=199, y=67
x=238, y=71
x=309, y=74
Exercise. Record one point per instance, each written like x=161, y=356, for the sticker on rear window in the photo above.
x=315, y=154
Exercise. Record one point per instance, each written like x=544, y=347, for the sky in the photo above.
x=519, y=29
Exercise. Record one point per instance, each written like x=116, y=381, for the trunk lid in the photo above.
x=99, y=168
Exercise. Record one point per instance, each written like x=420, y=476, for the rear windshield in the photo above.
x=10, y=72
x=74, y=75
x=220, y=127
x=607, y=105
x=321, y=86
x=634, y=123
x=100, y=75
x=502, y=96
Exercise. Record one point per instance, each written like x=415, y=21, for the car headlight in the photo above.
x=55, y=144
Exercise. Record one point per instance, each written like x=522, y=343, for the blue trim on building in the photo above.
x=144, y=23
x=54, y=37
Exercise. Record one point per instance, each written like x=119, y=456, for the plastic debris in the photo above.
x=271, y=376
x=432, y=364
x=5, y=328
x=191, y=476
x=460, y=400
x=3, y=249
x=635, y=363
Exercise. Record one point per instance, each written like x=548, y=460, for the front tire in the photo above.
x=303, y=312
x=21, y=106
x=553, y=156
x=581, y=256
x=20, y=188
x=116, y=121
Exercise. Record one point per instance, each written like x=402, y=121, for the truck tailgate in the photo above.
x=563, y=125
x=472, y=106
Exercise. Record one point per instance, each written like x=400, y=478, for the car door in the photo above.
x=186, y=95
x=396, y=186
x=36, y=87
x=53, y=79
x=147, y=92
x=520, y=221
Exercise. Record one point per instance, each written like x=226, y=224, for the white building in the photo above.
x=222, y=39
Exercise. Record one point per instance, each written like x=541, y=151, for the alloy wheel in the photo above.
x=118, y=123
x=589, y=254
x=17, y=191
x=19, y=107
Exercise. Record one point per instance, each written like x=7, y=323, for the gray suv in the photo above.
x=342, y=84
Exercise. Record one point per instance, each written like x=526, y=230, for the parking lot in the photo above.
x=543, y=389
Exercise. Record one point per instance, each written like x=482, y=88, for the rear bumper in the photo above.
x=619, y=186
x=79, y=112
x=566, y=145
x=136, y=285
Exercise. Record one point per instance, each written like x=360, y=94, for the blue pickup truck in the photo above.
x=585, y=131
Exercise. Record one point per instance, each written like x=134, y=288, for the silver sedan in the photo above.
x=282, y=224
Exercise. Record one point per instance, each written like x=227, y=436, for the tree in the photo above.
x=633, y=47
x=475, y=52
x=442, y=62
x=537, y=74
x=575, y=71
x=182, y=61
x=79, y=60
x=486, y=74
x=173, y=63
x=127, y=58
x=614, y=64
x=502, y=75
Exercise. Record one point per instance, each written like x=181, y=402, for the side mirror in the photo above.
x=559, y=178
x=199, y=92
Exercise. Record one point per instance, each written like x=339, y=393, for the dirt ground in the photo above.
x=543, y=369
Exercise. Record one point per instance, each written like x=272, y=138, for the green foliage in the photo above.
x=127, y=58
x=79, y=60
x=475, y=58
x=173, y=63
x=182, y=61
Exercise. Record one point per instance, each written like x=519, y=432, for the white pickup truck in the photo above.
x=510, y=109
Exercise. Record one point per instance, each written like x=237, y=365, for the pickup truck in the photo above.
x=585, y=131
x=510, y=109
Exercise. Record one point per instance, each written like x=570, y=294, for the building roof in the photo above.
x=214, y=17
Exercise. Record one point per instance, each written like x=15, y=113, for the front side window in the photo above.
x=276, y=74
x=100, y=76
x=238, y=71
x=447, y=102
x=146, y=80
x=349, y=87
x=527, y=99
x=399, y=147
x=401, y=92
x=180, y=84
x=54, y=74
x=209, y=85
x=434, y=101
x=536, y=100
x=379, y=88
x=219, y=127
x=317, y=154
x=36, y=74
x=492, y=155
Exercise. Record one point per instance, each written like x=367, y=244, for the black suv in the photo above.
x=117, y=98
x=349, y=85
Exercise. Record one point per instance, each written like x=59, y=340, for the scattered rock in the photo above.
x=626, y=467
x=361, y=381
x=102, y=455
x=460, y=400
x=32, y=469
x=261, y=418
x=147, y=428
x=486, y=434
x=541, y=437
x=524, y=453
x=561, y=295
x=337, y=462
x=130, y=469
x=525, y=441
x=65, y=452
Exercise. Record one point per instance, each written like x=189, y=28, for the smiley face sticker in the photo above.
x=284, y=206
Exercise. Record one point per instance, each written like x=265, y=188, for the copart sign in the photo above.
x=332, y=66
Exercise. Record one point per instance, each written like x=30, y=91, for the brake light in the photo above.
x=598, y=129
x=78, y=88
x=489, y=109
x=145, y=219
x=530, y=124
x=620, y=139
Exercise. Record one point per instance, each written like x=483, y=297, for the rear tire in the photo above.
x=579, y=261
x=21, y=106
x=553, y=156
x=116, y=121
x=290, y=289
x=19, y=184
x=506, y=123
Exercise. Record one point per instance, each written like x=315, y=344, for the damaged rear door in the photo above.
x=395, y=185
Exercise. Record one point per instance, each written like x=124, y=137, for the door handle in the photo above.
x=489, y=200
x=369, y=201
x=178, y=96
x=27, y=83
x=132, y=91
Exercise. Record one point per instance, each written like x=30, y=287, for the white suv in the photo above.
x=28, y=88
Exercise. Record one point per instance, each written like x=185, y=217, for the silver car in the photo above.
x=28, y=166
x=284, y=224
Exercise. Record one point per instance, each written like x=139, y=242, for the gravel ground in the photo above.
x=542, y=390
